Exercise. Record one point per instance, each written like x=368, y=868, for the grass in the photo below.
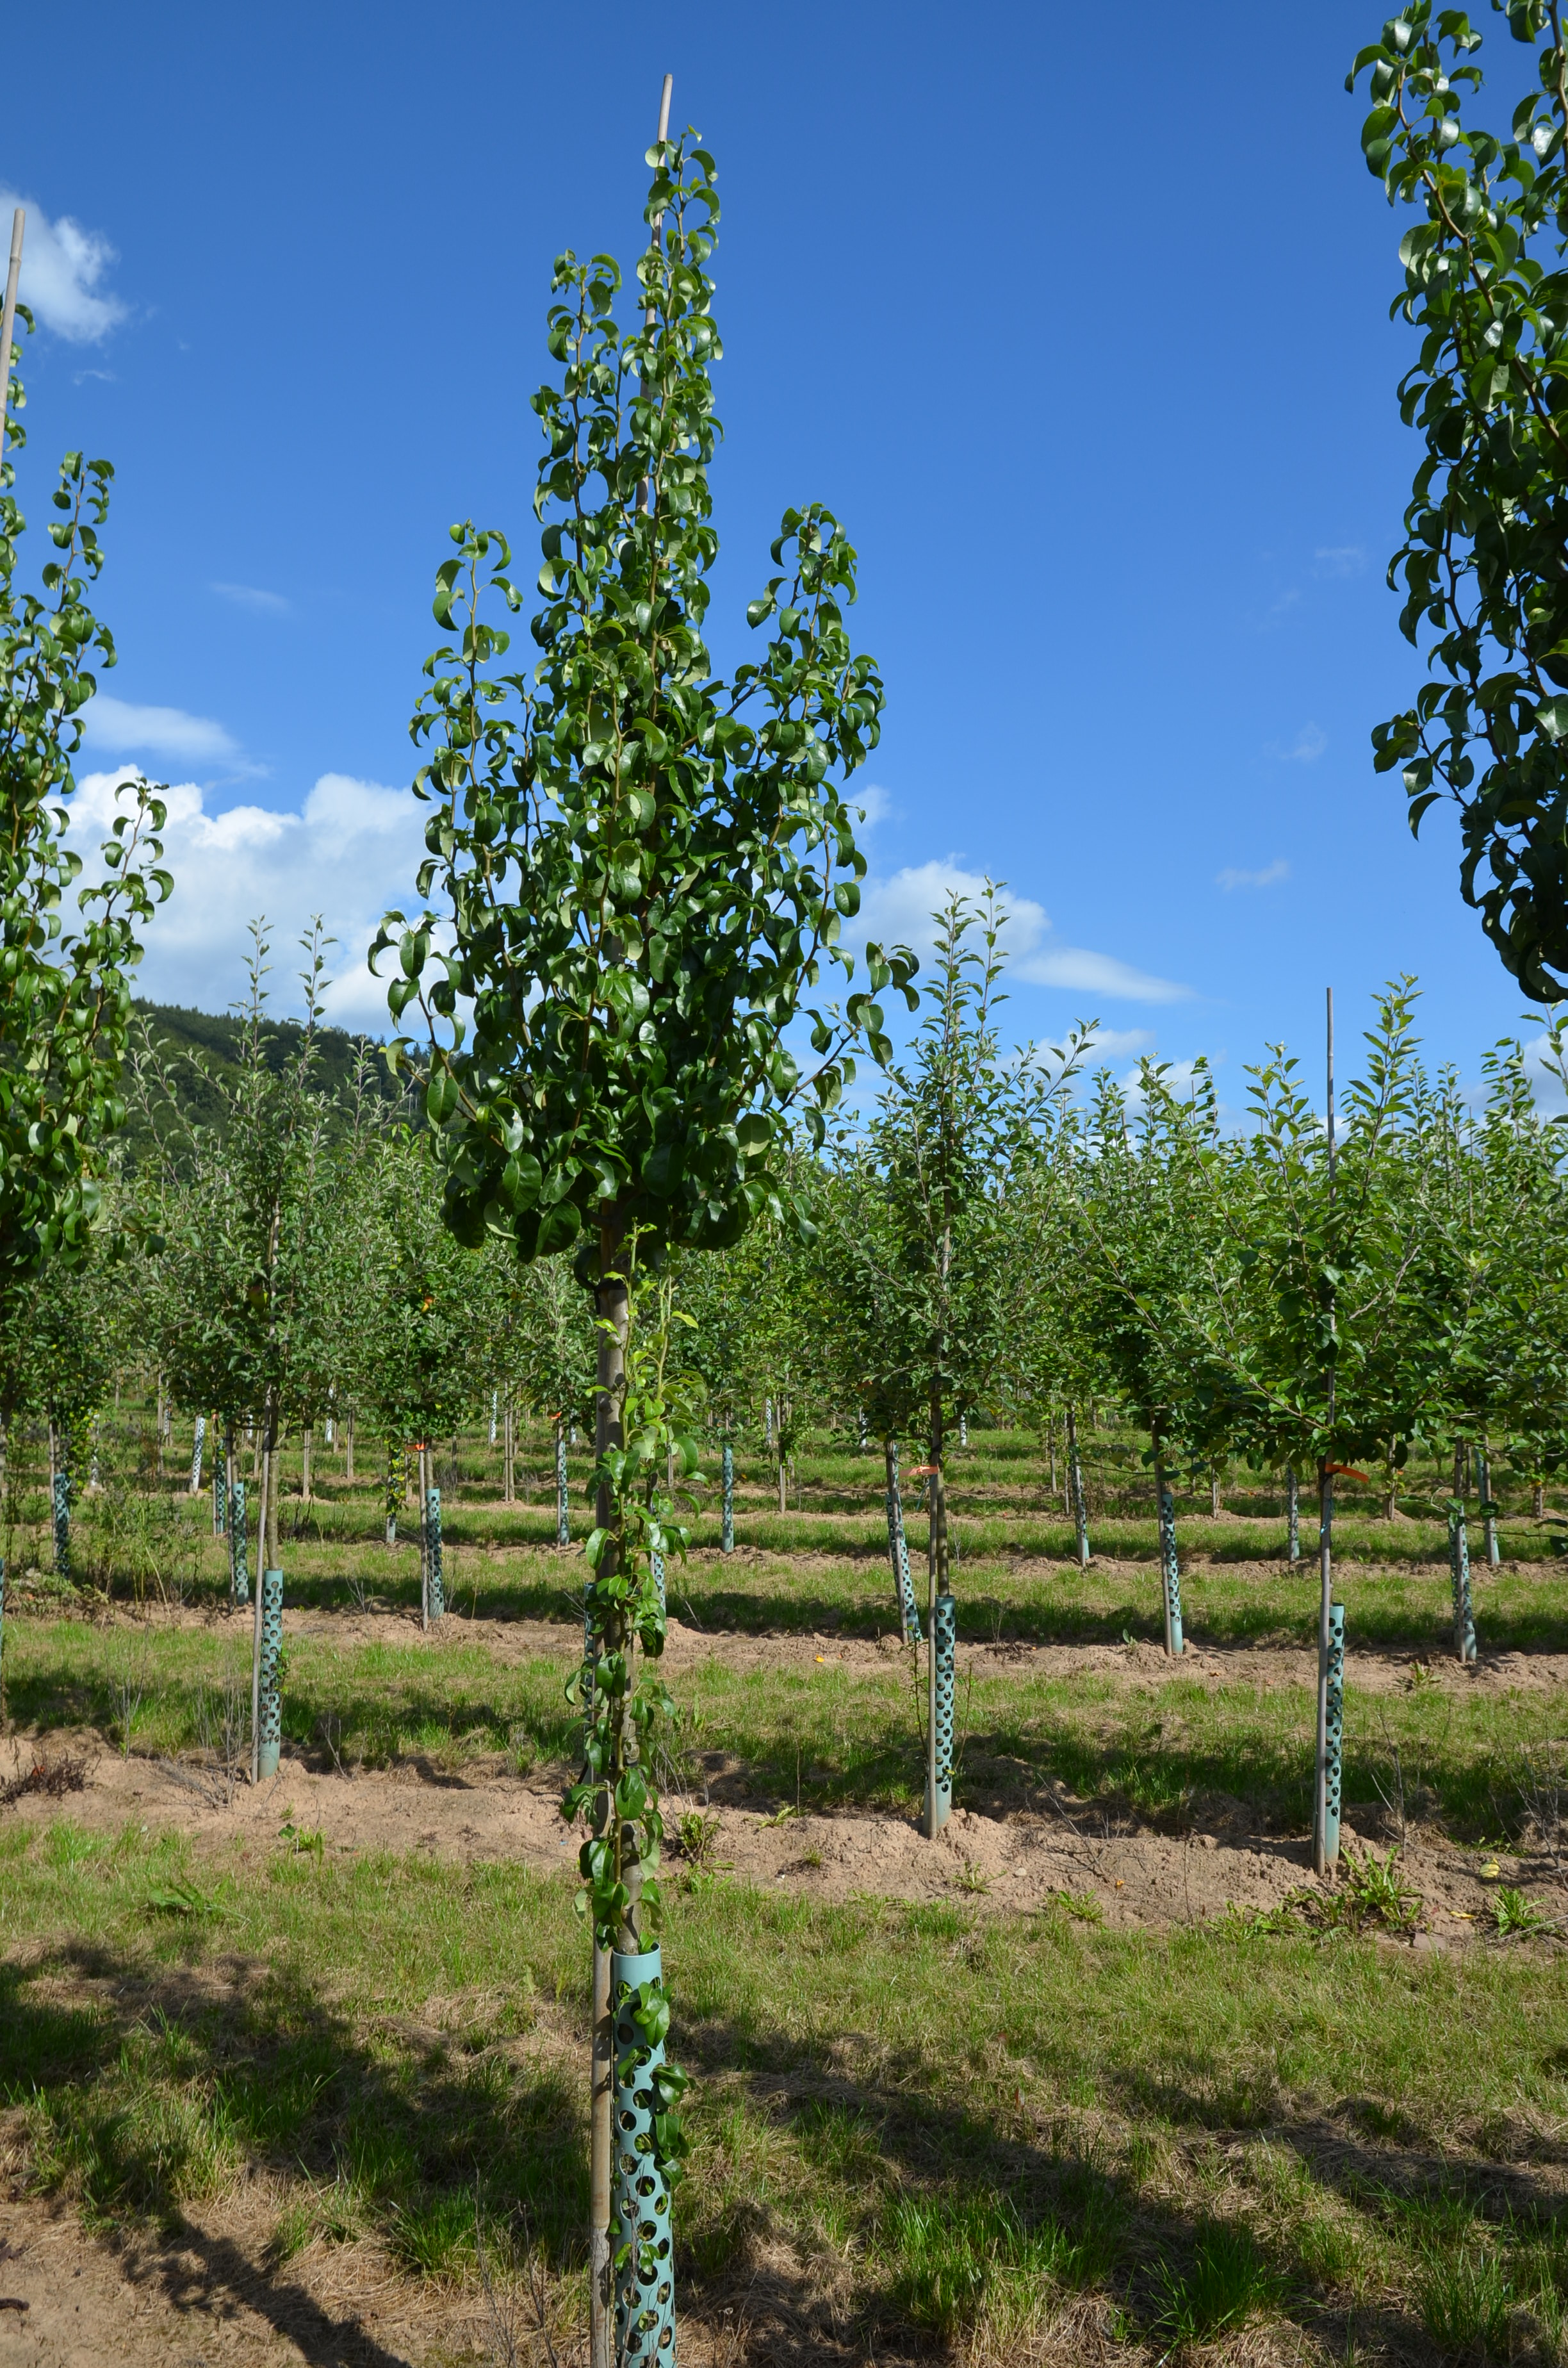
x=1164, y=1749
x=925, y=2129
x=943, y=2126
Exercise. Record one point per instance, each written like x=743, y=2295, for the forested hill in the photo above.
x=203, y=1046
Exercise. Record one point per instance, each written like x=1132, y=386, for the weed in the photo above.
x=302, y=1840
x=973, y=1878
x=1259, y=1923
x=179, y=1899
x=1516, y=1917
x=697, y=1835
x=1228, y=2283
x=1081, y=1905
x=1371, y=1892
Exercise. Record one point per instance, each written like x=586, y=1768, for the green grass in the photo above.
x=1169, y=1750
x=972, y=2121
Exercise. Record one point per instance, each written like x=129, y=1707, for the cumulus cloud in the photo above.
x=349, y=853
x=63, y=266
x=874, y=803
x=898, y=911
x=116, y=726
x=250, y=596
x=1269, y=877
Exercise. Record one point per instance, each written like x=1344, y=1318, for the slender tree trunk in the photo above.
x=783, y=1475
x=305, y=1465
x=508, y=1458
x=1538, y=1500
x=1214, y=1506
x=613, y=1311
x=348, y=1447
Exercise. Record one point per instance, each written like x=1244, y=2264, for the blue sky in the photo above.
x=1079, y=322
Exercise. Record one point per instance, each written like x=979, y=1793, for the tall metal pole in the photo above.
x=8, y=319
x=1321, y=1860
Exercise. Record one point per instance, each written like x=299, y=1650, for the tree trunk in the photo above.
x=305, y=1465
x=1214, y=1506
x=348, y=1447
x=612, y=1308
x=1076, y=1483
x=508, y=1457
x=1538, y=1500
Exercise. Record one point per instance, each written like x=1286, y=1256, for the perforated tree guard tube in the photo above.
x=434, y=1580
x=239, y=1548
x=269, y=1710
x=641, y=2249
x=1292, y=1514
x=562, y=1501
x=1333, y=1786
x=195, y=1454
x=394, y=1491
x=898, y=1551
x=1459, y=1563
x=1076, y=1481
x=219, y=1501
x=1170, y=1573
x=62, y=1524
x=727, y=1533
x=944, y=1637
x=1489, y=1510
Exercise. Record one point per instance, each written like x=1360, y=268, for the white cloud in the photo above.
x=250, y=596
x=899, y=910
x=1307, y=747
x=62, y=267
x=1269, y=877
x=874, y=802
x=350, y=853
x=115, y=725
x=1116, y=1044
x=1340, y=559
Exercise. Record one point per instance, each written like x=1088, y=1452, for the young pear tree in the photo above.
x=644, y=870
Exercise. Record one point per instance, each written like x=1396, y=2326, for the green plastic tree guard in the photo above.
x=394, y=1491
x=897, y=1552
x=641, y=2242
x=219, y=1501
x=727, y=1533
x=1170, y=1573
x=1333, y=1788
x=62, y=1524
x=562, y=1501
x=435, y=1585
x=656, y=1564
x=1459, y=1565
x=269, y=1715
x=1292, y=1514
x=195, y=1454
x=239, y=1548
x=1075, y=1482
x=944, y=1639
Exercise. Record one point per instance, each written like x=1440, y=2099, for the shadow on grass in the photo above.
x=156, y=2093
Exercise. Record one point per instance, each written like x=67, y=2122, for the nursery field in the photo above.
x=295, y=2071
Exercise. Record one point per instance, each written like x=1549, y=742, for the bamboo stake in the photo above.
x=8, y=320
